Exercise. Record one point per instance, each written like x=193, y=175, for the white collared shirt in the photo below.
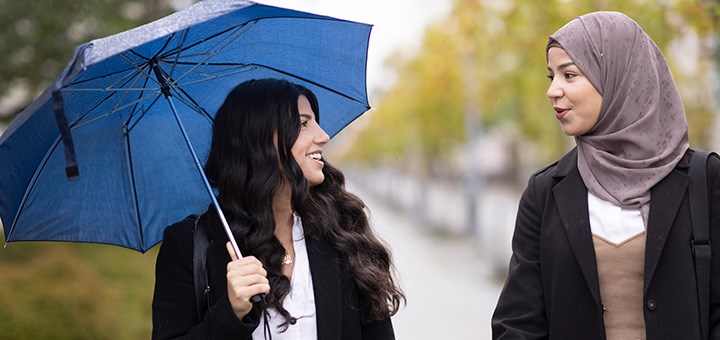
x=300, y=301
x=613, y=223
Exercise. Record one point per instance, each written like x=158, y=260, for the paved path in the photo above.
x=449, y=288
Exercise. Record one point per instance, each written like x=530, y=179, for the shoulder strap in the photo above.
x=202, y=288
x=701, y=247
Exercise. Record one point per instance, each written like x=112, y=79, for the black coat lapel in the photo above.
x=326, y=276
x=665, y=200
x=571, y=198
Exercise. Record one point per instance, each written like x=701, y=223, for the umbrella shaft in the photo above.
x=204, y=178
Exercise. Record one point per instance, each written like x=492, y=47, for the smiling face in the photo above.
x=307, y=149
x=575, y=100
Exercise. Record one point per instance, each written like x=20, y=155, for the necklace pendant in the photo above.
x=287, y=259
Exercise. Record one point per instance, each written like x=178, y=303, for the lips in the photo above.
x=560, y=112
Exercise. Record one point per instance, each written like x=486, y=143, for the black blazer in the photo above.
x=337, y=302
x=552, y=289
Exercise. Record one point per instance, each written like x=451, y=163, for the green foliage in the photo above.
x=38, y=38
x=75, y=291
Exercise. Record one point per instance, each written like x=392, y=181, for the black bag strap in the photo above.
x=701, y=247
x=202, y=287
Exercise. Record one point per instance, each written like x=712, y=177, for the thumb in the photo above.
x=231, y=251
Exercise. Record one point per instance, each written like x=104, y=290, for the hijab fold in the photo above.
x=642, y=132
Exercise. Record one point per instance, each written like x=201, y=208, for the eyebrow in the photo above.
x=562, y=66
x=306, y=116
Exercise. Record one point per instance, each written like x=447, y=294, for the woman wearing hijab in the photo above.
x=602, y=241
x=308, y=243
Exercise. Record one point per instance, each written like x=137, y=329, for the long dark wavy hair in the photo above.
x=243, y=165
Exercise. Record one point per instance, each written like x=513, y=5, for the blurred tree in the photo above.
x=39, y=37
x=501, y=44
x=75, y=291
x=701, y=100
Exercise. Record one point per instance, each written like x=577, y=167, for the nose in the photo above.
x=554, y=90
x=321, y=138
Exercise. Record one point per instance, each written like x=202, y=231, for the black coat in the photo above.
x=552, y=289
x=174, y=309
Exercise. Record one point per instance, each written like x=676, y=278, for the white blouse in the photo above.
x=612, y=222
x=300, y=301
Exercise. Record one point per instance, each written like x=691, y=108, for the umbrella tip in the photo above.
x=72, y=172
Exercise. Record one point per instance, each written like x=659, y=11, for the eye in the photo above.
x=303, y=123
x=551, y=77
x=569, y=75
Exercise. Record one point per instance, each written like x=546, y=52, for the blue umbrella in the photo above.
x=131, y=116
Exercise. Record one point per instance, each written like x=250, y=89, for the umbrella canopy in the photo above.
x=129, y=105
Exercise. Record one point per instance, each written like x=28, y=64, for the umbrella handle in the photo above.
x=257, y=298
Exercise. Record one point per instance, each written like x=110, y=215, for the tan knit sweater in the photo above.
x=620, y=274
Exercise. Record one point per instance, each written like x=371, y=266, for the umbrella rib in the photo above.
x=132, y=112
x=167, y=42
x=113, y=111
x=90, y=110
x=209, y=77
x=192, y=104
x=32, y=183
x=145, y=59
x=98, y=77
x=132, y=64
x=139, y=55
x=136, y=67
x=125, y=94
x=239, y=31
x=139, y=69
x=211, y=37
x=273, y=69
x=194, y=70
x=144, y=112
x=187, y=100
x=314, y=83
x=131, y=173
x=114, y=90
x=179, y=47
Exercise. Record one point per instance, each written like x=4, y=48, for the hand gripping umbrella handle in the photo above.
x=256, y=298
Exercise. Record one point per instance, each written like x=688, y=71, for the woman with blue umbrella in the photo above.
x=309, y=245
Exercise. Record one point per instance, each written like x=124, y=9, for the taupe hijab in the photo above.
x=642, y=132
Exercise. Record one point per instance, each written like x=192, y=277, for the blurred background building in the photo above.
x=460, y=121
